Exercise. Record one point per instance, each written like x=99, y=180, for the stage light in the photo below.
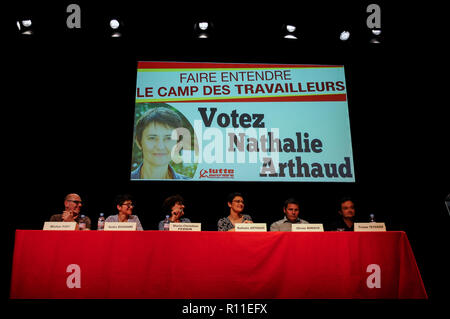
x=291, y=28
x=203, y=30
x=203, y=25
x=376, y=31
x=24, y=26
x=289, y=31
x=375, y=36
x=344, y=36
x=115, y=26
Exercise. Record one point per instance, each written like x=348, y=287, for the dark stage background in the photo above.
x=68, y=123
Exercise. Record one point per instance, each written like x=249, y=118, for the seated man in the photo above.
x=173, y=206
x=71, y=213
x=346, y=219
x=291, y=210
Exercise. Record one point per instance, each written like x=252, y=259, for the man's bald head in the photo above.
x=72, y=203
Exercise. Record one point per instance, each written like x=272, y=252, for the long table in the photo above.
x=213, y=265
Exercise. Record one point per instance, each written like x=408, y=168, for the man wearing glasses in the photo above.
x=125, y=205
x=71, y=213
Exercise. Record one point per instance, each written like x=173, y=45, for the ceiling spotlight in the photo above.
x=376, y=31
x=203, y=30
x=289, y=31
x=24, y=26
x=291, y=28
x=344, y=36
x=375, y=36
x=290, y=36
x=115, y=26
x=203, y=26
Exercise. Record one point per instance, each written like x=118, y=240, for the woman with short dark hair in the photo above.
x=125, y=204
x=236, y=205
x=154, y=137
x=173, y=206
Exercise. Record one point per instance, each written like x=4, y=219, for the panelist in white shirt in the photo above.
x=291, y=210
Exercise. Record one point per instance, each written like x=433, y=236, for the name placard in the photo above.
x=307, y=227
x=185, y=226
x=370, y=227
x=251, y=227
x=60, y=226
x=119, y=226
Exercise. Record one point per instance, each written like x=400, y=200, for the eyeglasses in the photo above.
x=128, y=205
x=78, y=202
x=238, y=201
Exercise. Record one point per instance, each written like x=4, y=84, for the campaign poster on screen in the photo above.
x=241, y=122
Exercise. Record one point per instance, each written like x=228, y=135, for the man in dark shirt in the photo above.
x=346, y=219
x=71, y=213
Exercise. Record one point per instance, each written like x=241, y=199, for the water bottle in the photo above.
x=372, y=218
x=82, y=223
x=166, y=223
x=101, y=222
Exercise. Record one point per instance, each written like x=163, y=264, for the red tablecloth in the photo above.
x=211, y=265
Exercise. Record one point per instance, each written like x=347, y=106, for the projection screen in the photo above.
x=241, y=122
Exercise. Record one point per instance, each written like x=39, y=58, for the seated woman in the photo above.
x=174, y=207
x=236, y=204
x=124, y=204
